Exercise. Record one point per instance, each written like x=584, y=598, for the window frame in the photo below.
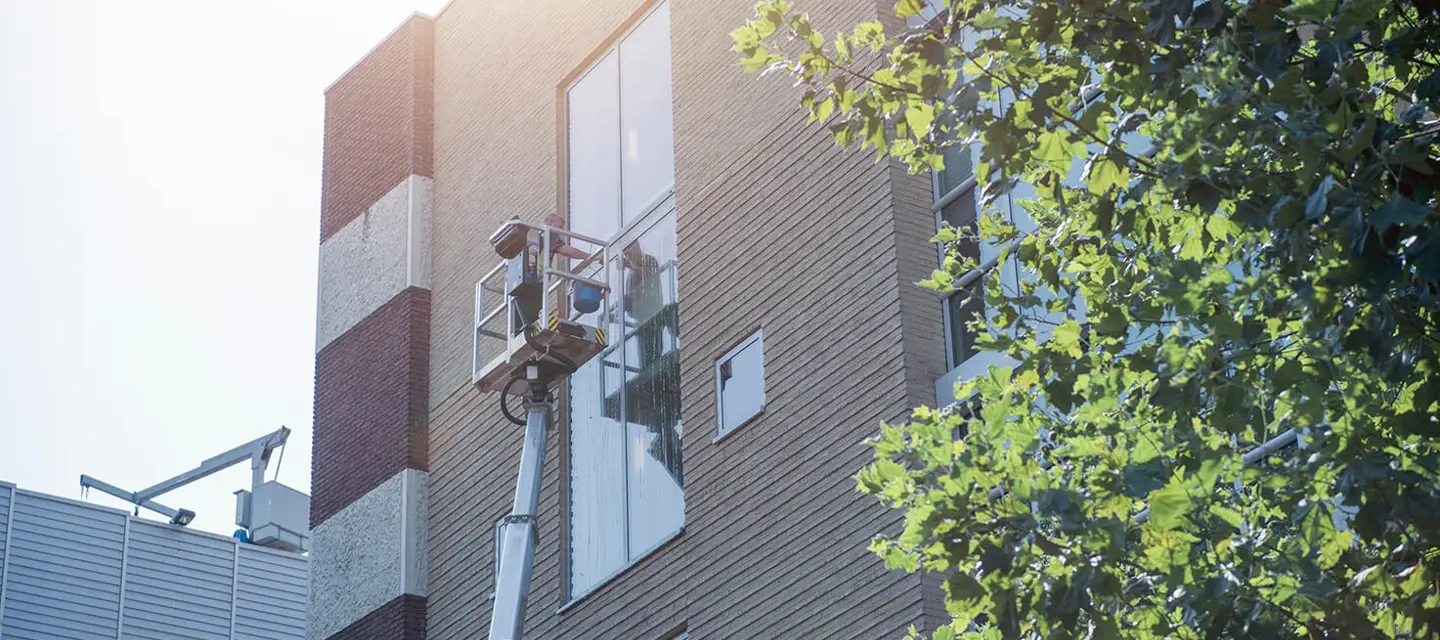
x=758, y=337
x=645, y=219
x=642, y=224
x=965, y=189
x=611, y=46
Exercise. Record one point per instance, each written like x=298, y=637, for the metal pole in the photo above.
x=517, y=552
x=87, y=482
x=261, y=446
x=124, y=577
x=9, y=538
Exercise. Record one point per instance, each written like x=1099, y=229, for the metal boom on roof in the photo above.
x=257, y=451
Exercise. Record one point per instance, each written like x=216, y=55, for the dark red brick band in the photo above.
x=378, y=124
x=400, y=619
x=371, y=394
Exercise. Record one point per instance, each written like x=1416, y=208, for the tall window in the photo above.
x=625, y=470
x=955, y=204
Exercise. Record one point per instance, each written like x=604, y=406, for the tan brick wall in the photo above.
x=777, y=228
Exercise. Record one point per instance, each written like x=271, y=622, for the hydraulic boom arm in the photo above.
x=257, y=451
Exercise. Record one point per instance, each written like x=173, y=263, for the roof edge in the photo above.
x=365, y=56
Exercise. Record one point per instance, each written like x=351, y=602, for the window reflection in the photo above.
x=648, y=167
x=592, y=110
x=626, y=430
x=652, y=389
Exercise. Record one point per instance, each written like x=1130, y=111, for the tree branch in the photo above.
x=1139, y=162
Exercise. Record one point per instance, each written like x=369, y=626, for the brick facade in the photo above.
x=378, y=124
x=371, y=385
x=369, y=479
x=777, y=228
x=400, y=619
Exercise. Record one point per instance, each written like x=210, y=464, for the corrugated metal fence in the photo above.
x=79, y=571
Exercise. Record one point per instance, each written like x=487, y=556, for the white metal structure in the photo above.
x=535, y=328
x=69, y=569
x=281, y=520
x=543, y=342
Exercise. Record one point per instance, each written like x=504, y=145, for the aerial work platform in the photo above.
x=551, y=311
x=553, y=299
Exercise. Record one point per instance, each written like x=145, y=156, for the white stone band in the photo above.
x=369, y=553
x=373, y=258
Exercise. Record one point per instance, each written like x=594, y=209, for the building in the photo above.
x=80, y=571
x=708, y=491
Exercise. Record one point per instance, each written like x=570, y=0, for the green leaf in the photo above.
x=1207, y=15
x=1066, y=338
x=988, y=20
x=1168, y=507
x=1226, y=514
x=909, y=8
x=1336, y=543
x=1429, y=88
x=1314, y=10
x=1203, y=192
x=1316, y=204
x=1086, y=447
x=1053, y=146
x=888, y=470
x=1208, y=474
x=919, y=115
x=1102, y=173
x=842, y=48
x=824, y=108
x=1398, y=210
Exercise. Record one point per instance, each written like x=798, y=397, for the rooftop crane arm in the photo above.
x=257, y=451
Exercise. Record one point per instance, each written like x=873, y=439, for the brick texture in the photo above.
x=371, y=385
x=400, y=619
x=378, y=124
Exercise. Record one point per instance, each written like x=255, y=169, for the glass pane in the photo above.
x=597, y=451
x=597, y=482
x=742, y=393
x=932, y=9
x=960, y=213
x=959, y=166
x=593, y=151
x=928, y=11
x=963, y=306
x=645, y=113
x=652, y=389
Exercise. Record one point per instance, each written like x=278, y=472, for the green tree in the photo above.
x=1267, y=263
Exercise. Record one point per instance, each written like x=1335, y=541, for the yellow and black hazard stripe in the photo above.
x=600, y=337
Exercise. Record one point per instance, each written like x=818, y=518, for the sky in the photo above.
x=160, y=166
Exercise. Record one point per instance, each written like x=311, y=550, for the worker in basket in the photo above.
x=584, y=298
